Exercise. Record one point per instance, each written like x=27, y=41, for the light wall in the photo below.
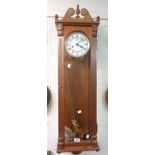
x=59, y=7
x=96, y=7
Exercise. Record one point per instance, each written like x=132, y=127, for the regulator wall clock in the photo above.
x=77, y=32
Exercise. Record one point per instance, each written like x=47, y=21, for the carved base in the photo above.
x=77, y=148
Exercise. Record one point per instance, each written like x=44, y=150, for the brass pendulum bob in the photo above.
x=78, y=131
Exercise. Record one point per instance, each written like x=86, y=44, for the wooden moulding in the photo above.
x=77, y=148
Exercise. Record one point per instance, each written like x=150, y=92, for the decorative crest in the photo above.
x=77, y=17
x=83, y=17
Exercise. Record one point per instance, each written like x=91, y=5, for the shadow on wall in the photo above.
x=50, y=153
x=48, y=102
x=106, y=99
x=49, y=97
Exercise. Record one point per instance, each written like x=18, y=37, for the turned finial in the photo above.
x=56, y=17
x=77, y=11
x=98, y=19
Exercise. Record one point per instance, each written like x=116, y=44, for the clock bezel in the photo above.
x=86, y=52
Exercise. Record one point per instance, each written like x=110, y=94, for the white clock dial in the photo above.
x=77, y=44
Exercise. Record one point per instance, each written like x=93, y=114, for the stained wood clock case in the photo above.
x=77, y=32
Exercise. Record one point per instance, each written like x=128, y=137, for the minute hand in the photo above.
x=81, y=46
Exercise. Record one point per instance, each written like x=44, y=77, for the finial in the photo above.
x=56, y=17
x=77, y=11
x=98, y=19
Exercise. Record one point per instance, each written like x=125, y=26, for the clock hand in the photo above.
x=80, y=41
x=81, y=46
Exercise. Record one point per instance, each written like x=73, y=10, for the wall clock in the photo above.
x=77, y=130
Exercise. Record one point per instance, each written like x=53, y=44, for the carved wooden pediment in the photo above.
x=77, y=16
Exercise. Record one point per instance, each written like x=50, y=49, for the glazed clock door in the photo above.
x=76, y=92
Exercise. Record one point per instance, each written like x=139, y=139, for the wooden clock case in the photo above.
x=82, y=81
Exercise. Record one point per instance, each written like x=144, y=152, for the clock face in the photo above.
x=77, y=44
